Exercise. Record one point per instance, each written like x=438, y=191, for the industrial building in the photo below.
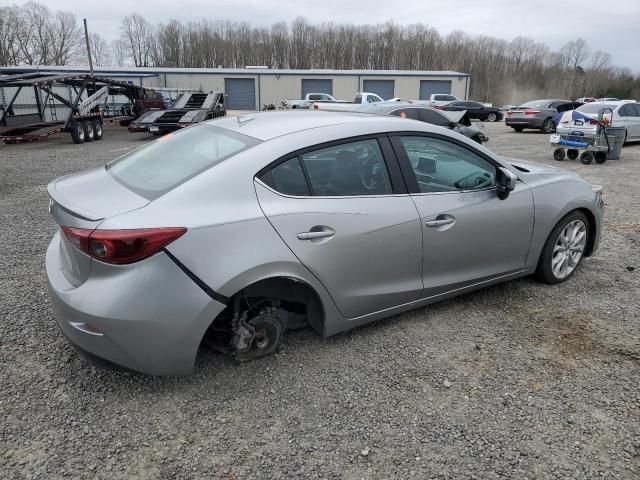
x=250, y=88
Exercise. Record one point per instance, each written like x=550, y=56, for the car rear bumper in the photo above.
x=523, y=122
x=149, y=316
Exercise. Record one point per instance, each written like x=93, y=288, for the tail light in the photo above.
x=316, y=106
x=509, y=113
x=593, y=122
x=531, y=112
x=439, y=107
x=121, y=246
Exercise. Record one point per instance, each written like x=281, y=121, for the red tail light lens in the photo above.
x=509, y=113
x=531, y=112
x=593, y=122
x=121, y=246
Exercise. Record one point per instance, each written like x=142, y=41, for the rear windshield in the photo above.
x=594, y=107
x=536, y=104
x=162, y=165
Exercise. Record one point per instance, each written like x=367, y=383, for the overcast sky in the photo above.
x=613, y=27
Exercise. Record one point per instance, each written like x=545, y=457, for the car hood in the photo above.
x=532, y=167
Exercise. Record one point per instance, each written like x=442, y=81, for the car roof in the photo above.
x=268, y=125
x=388, y=107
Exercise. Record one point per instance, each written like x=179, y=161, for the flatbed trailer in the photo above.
x=188, y=109
x=87, y=113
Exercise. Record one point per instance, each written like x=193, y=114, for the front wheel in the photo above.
x=564, y=249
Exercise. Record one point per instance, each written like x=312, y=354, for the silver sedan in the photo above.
x=238, y=229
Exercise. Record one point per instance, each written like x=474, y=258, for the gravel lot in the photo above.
x=520, y=380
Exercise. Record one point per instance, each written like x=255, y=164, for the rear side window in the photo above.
x=411, y=113
x=287, y=178
x=173, y=159
x=433, y=117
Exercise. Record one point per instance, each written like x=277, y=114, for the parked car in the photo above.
x=361, y=98
x=504, y=108
x=537, y=114
x=475, y=110
x=241, y=228
x=585, y=100
x=607, y=99
x=457, y=121
x=310, y=98
x=625, y=114
x=437, y=99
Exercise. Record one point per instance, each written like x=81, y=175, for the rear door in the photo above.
x=343, y=210
x=469, y=235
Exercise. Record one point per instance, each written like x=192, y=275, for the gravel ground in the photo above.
x=520, y=380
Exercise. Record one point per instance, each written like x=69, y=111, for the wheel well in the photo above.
x=295, y=296
x=591, y=240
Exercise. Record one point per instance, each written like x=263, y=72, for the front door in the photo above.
x=340, y=213
x=469, y=234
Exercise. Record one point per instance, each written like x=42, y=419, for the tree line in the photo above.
x=501, y=71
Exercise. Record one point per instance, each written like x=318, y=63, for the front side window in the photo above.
x=356, y=168
x=443, y=166
x=162, y=165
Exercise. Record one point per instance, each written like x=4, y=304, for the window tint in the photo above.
x=434, y=118
x=625, y=111
x=636, y=109
x=411, y=113
x=287, y=178
x=442, y=166
x=162, y=165
x=356, y=168
x=372, y=99
x=450, y=97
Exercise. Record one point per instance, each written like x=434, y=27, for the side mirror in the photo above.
x=506, y=182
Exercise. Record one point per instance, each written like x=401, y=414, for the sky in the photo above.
x=612, y=27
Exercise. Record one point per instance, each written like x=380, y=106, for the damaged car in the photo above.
x=239, y=229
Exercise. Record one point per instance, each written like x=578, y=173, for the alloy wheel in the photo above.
x=569, y=248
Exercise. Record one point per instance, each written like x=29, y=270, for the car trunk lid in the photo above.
x=83, y=201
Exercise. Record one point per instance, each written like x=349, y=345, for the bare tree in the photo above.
x=9, y=30
x=66, y=38
x=119, y=52
x=100, y=51
x=137, y=34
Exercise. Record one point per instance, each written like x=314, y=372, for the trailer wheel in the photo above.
x=558, y=154
x=586, y=158
x=97, y=130
x=77, y=133
x=572, y=154
x=601, y=157
x=89, y=133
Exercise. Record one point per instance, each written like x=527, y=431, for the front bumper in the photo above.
x=148, y=316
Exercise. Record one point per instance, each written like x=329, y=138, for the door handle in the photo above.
x=441, y=221
x=313, y=234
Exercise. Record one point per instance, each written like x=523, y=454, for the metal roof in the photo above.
x=152, y=71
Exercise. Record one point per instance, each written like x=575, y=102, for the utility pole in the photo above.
x=86, y=38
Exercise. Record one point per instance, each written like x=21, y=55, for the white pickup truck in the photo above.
x=361, y=99
x=310, y=98
x=437, y=99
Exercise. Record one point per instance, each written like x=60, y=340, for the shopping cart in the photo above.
x=578, y=144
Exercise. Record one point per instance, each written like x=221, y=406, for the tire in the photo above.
x=548, y=126
x=492, y=117
x=586, y=158
x=89, y=133
x=625, y=138
x=560, y=259
x=601, y=157
x=77, y=133
x=98, y=132
x=518, y=129
x=558, y=154
x=573, y=154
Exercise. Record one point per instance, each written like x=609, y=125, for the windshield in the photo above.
x=162, y=165
x=594, y=107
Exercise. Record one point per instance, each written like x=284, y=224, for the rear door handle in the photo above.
x=313, y=234
x=440, y=221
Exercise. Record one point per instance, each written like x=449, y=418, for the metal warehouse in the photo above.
x=249, y=88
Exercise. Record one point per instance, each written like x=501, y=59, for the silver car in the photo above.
x=625, y=114
x=238, y=229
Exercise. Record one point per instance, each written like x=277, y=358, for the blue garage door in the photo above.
x=241, y=93
x=429, y=87
x=313, y=85
x=383, y=88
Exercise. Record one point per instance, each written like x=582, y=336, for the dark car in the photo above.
x=456, y=121
x=538, y=114
x=475, y=110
